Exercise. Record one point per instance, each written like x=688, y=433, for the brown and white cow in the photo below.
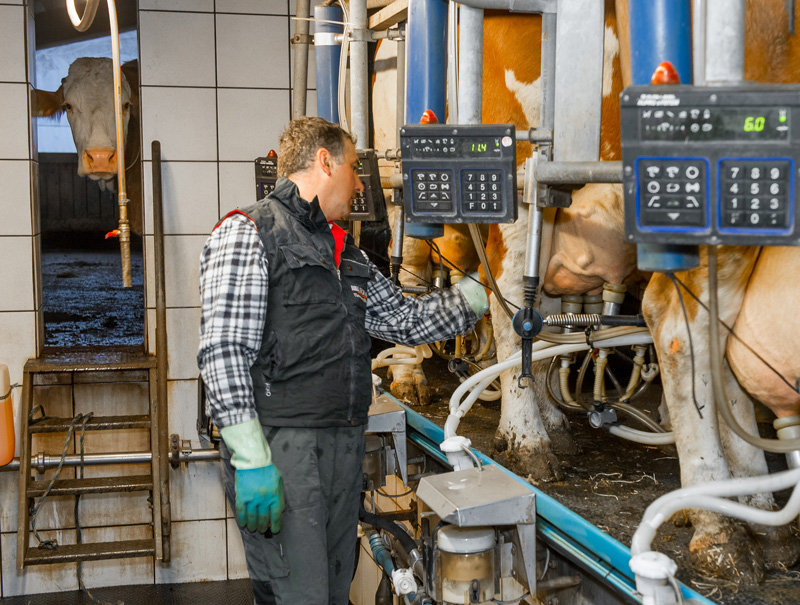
x=752, y=288
x=531, y=428
x=86, y=95
x=588, y=249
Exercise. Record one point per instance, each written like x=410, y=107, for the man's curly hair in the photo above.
x=303, y=137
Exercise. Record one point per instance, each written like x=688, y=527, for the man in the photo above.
x=288, y=306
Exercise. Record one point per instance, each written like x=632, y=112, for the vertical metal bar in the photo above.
x=470, y=65
x=452, y=61
x=300, y=46
x=400, y=114
x=24, y=469
x=359, y=94
x=725, y=41
x=161, y=352
x=548, y=71
x=699, y=42
x=579, y=88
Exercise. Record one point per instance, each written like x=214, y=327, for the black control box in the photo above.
x=711, y=165
x=459, y=173
x=266, y=175
x=368, y=205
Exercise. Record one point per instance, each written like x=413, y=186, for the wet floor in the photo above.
x=611, y=481
x=85, y=303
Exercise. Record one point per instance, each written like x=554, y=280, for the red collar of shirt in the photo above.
x=339, y=236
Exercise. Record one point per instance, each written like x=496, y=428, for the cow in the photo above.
x=751, y=288
x=589, y=249
x=531, y=428
x=86, y=95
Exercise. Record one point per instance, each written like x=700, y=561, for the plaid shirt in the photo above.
x=233, y=289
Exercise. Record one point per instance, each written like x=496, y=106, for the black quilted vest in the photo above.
x=313, y=369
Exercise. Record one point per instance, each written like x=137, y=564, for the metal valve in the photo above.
x=527, y=322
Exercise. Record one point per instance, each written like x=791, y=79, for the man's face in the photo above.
x=344, y=184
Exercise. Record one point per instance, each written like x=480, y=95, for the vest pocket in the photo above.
x=312, y=279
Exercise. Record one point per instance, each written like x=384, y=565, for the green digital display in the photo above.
x=767, y=124
x=483, y=147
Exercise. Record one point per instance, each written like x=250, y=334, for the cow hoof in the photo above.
x=729, y=554
x=415, y=394
x=780, y=545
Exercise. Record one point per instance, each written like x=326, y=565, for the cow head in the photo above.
x=87, y=97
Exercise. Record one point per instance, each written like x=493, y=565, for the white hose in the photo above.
x=409, y=355
x=710, y=496
x=541, y=350
x=644, y=437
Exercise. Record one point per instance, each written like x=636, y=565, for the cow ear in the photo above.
x=45, y=103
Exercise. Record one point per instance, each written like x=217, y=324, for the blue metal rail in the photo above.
x=568, y=532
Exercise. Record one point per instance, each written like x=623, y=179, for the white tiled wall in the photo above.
x=215, y=92
x=18, y=332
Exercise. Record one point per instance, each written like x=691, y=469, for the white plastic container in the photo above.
x=465, y=554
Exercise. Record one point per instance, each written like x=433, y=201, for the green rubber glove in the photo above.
x=258, y=484
x=473, y=290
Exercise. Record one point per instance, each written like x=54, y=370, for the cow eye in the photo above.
x=127, y=105
x=67, y=106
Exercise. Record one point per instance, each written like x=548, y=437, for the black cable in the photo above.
x=675, y=282
x=736, y=336
x=406, y=541
x=452, y=265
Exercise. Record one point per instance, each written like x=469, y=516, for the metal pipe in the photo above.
x=452, y=61
x=699, y=42
x=578, y=173
x=359, y=93
x=535, y=135
x=517, y=6
x=535, y=219
x=300, y=46
x=470, y=66
x=159, y=406
x=724, y=41
x=41, y=461
x=400, y=99
x=547, y=78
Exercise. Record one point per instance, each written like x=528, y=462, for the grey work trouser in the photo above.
x=310, y=561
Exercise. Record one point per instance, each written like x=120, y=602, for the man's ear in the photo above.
x=325, y=160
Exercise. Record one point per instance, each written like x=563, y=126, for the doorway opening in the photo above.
x=84, y=301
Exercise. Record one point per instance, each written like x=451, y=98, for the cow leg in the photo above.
x=780, y=544
x=720, y=546
x=409, y=383
x=521, y=441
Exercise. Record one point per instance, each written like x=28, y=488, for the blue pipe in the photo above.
x=380, y=553
x=426, y=63
x=580, y=540
x=660, y=30
x=327, y=53
x=426, y=79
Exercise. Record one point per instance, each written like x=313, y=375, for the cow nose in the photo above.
x=100, y=160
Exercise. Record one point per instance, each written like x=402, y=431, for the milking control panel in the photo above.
x=369, y=204
x=711, y=165
x=266, y=175
x=459, y=173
